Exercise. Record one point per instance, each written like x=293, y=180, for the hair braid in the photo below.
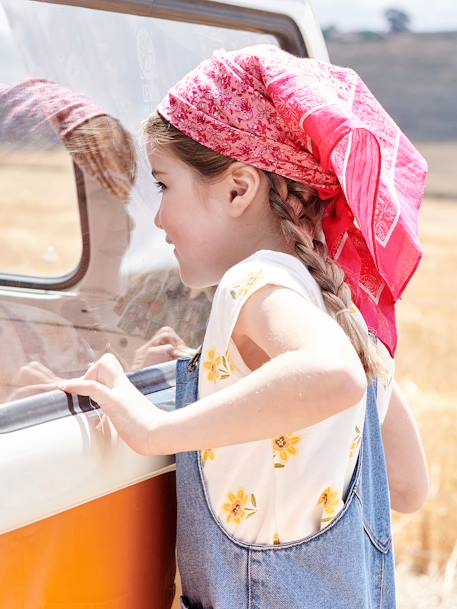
x=301, y=211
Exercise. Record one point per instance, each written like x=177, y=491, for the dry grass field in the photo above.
x=414, y=77
x=425, y=542
x=39, y=219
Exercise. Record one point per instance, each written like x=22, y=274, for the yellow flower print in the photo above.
x=355, y=442
x=241, y=288
x=219, y=367
x=212, y=364
x=331, y=500
x=284, y=447
x=236, y=508
x=208, y=455
x=276, y=539
x=230, y=365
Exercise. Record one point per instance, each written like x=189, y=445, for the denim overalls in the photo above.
x=348, y=565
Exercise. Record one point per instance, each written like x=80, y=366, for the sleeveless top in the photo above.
x=284, y=488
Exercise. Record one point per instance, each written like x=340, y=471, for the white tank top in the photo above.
x=284, y=488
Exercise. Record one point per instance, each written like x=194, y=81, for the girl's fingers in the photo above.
x=107, y=370
x=97, y=391
x=98, y=381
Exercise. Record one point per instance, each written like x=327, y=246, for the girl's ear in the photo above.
x=244, y=183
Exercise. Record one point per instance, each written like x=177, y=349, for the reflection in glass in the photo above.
x=131, y=300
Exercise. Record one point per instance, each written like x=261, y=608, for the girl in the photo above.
x=286, y=184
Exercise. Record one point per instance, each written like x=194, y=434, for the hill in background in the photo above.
x=414, y=76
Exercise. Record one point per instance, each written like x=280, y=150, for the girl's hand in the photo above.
x=137, y=421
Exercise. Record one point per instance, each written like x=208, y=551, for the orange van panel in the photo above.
x=116, y=552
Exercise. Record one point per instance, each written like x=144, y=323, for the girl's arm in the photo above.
x=314, y=372
x=405, y=457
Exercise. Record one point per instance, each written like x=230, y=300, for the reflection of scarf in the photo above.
x=36, y=101
x=319, y=124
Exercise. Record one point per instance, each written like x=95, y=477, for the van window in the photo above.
x=129, y=299
x=40, y=227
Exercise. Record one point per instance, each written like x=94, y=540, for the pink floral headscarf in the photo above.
x=319, y=124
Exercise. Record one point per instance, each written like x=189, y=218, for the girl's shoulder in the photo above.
x=242, y=280
x=221, y=358
x=268, y=267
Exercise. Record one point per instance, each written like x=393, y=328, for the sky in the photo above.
x=350, y=15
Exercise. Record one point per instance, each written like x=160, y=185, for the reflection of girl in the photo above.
x=32, y=113
x=300, y=203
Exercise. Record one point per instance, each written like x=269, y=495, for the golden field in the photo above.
x=38, y=218
x=426, y=542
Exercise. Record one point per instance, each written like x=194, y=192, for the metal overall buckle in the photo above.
x=194, y=361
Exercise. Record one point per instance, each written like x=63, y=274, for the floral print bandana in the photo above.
x=319, y=124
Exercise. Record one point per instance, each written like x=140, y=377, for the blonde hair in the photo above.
x=300, y=211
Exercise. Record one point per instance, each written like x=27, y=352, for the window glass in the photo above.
x=39, y=216
x=130, y=298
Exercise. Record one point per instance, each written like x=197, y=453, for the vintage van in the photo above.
x=86, y=523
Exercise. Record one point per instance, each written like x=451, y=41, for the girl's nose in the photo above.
x=157, y=219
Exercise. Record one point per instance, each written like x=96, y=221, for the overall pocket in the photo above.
x=375, y=528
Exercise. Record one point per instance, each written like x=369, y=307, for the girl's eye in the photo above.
x=160, y=185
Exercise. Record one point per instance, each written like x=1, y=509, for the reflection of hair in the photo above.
x=102, y=147
x=300, y=211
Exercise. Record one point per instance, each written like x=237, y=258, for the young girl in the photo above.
x=286, y=184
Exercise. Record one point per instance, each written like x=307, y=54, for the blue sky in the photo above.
x=360, y=14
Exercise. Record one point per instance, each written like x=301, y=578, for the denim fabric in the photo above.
x=348, y=565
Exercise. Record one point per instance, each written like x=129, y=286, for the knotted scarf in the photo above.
x=319, y=124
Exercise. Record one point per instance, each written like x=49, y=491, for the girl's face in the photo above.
x=194, y=217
